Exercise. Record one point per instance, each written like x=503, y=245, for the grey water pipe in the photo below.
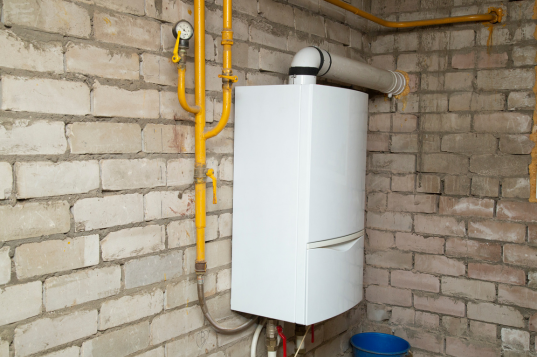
x=312, y=62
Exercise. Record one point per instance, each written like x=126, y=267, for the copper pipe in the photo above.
x=495, y=15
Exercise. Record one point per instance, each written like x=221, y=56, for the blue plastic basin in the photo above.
x=375, y=344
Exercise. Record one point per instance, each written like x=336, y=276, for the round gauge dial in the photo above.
x=187, y=31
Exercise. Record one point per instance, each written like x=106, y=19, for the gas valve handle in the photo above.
x=284, y=340
x=210, y=173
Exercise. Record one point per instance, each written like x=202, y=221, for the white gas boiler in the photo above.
x=298, y=201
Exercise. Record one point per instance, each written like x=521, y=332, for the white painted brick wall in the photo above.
x=6, y=180
x=111, y=101
x=153, y=269
x=46, y=333
x=119, y=343
x=100, y=62
x=132, y=174
x=126, y=30
x=109, y=211
x=5, y=266
x=167, y=204
x=23, y=54
x=180, y=172
x=135, y=7
x=170, y=139
x=221, y=144
x=225, y=198
x=225, y=224
x=133, y=242
x=53, y=256
x=175, y=323
x=44, y=178
x=187, y=345
x=25, y=137
x=58, y=16
x=130, y=308
x=171, y=10
x=20, y=302
x=45, y=96
x=4, y=348
x=186, y=291
x=81, y=287
x=223, y=280
x=157, y=352
x=171, y=109
x=68, y=352
x=33, y=220
x=226, y=169
x=101, y=138
x=217, y=254
x=183, y=233
x=159, y=69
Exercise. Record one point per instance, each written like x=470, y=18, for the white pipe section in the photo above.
x=311, y=62
x=272, y=353
x=253, y=349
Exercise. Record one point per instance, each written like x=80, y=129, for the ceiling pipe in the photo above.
x=312, y=62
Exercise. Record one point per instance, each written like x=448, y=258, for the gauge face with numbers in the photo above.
x=187, y=31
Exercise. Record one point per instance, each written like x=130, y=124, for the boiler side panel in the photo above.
x=265, y=200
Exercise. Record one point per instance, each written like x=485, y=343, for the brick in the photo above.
x=168, y=139
x=471, y=289
x=524, y=56
x=532, y=234
x=412, y=203
x=483, y=330
x=100, y=138
x=225, y=198
x=223, y=280
x=188, y=346
x=415, y=281
x=459, y=81
x=505, y=79
x=274, y=61
x=377, y=183
x=376, y=201
x=45, y=178
x=404, y=123
x=183, y=233
x=170, y=10
x=466, y=101
x=515, y=339
x=517, y=295
x=381, y=313
x=396, y=163
x=454, y=325
x=520, y=255
x=24, y=137
x=422, y=340
x=388, y=295
x=133, y=242
x=462, y=348
x=5, y=266
x=469, y=143
x=533, y=323
x=379, y=240
x=532, y=279
x=167, y=204
x=46, y=333
x=404, y=143
x=430, y=143
x=497, y=165
x=417, y=243
x=276, y=12
x=432, y=81
x=378, y=142
x=514, y=123
x=186, y=291
x=516, y=144
x=457, y=185
x=380, y=122
x=376, y=276
x=223, y=143
x=157, y=352
x=386, y=7
x=100, y=62
x=383, y=44
x=45, y=96
x=464, y=248
x=20, y=302
x=130, y=308
x=516, y=211
x=135, y=7
x=438, y=264
x=310, y=23
x=502, y=231
x=485, y=186
x=503, y=315
x=159, y=70
x=445, y=122
x=131, y=174
x=115, y=102
x=497, y=273
x=51, y=16
x=440, y=304
x=333, y=11
x=6, y=180
x=96, y=213
x=338, y=32
x=427, y=320
x=33, y=219
x=467, y=206
x=438, y=225
x=434, y=41
x=390, y=259
x=520, y=100
x=73, y=351
x=389, y=221
x=433, y=103
x=53, y=256
x=218, y=254
x=118, y=343
x=153, y=269
x=175, y=323
x=78, y=288
x=403, y=183
x=171, y=109
x=22, y=54
x=491, y=60
x=463, y=60
x=126, y=30
x=445, y=163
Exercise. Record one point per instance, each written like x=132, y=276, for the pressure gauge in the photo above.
x=186, y=29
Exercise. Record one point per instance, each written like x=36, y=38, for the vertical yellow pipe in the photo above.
x=199, y=65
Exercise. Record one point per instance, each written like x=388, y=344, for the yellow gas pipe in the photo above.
x=200, y=170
